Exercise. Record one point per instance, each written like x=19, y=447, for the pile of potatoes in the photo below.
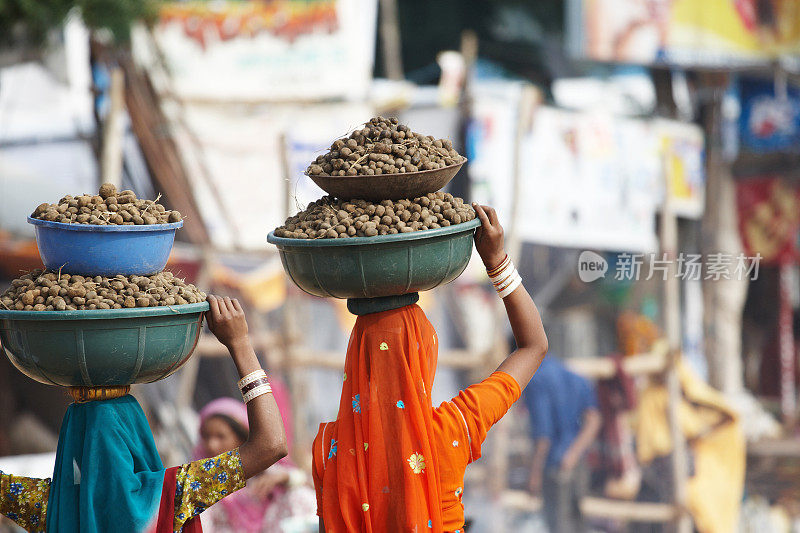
x=329, y=218
x=108, y=207
x=383, y=146
x=41, y=290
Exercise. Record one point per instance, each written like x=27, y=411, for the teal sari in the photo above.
x=108, y=475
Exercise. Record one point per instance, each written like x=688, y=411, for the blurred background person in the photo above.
x=565, y=421
x=280, y=492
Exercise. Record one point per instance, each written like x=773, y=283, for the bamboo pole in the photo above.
x=155, y=138
x=390, y=40
x=498, y=483
x=289, y=335
x=111, y=161
x=669, y=245
x=786, y=346
x=626, y=511
x=605, y=367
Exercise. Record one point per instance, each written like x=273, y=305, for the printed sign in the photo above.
x=277, y=50
x=684, y=32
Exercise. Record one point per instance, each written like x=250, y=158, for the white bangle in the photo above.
x=511, y=287
x=255, y=393
x=500, y=287
x=505, y=280
x=504, y=270
x=251, y=377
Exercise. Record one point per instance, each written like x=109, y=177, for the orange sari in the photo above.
x=377, y=467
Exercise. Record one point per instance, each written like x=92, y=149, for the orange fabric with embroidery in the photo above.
x=390, y=462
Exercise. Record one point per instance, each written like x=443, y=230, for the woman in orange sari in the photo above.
x=391, y=461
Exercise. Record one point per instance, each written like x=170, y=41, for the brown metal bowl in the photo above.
x=387, y=186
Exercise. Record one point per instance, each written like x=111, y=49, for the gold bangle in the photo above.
x=499, y=267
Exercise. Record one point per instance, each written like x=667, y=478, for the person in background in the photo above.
x=280, y=492
x=565, y=420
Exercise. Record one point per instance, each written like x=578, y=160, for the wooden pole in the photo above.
x=672, y=325
x=498, y=483
x=786, y=343
x=723, y=299
x=289, y=335
x=153, y=131
x=461, y=186
x=112, y=131
x=390, y=40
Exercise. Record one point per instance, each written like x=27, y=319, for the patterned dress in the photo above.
x=200, y=484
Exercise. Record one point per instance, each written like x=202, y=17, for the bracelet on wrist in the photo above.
x=251, y=377
x=256, y=392
x=505, y=277
x=254, y=385
x=499, y=267
x=511, y=287
x=257, y=383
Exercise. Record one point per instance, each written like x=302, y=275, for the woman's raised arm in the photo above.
x=266, y=443
x=526, y=324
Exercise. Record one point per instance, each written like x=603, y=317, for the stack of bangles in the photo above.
x=505, y=277
x=254, y=385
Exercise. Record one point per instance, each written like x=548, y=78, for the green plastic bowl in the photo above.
x=101, y=347
x=373, y=267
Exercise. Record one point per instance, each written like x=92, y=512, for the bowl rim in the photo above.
x=378, y=239
x=104, y=314
x=110, y=228
x=464, y=160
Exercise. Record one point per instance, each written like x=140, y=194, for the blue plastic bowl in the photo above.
x=92, y=250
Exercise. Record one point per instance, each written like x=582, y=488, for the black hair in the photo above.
x=241, y=432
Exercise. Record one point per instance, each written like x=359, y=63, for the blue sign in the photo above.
x=769, y=122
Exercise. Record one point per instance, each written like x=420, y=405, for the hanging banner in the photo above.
x=769, y=218
x=682, y=147
x=586, y=179
x=770, y=118
x=246, y=169
x=589, y=180
x=279, y=50
x=491, y=137
x=684, y=32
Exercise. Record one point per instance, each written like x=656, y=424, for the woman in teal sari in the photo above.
x=108, y=474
